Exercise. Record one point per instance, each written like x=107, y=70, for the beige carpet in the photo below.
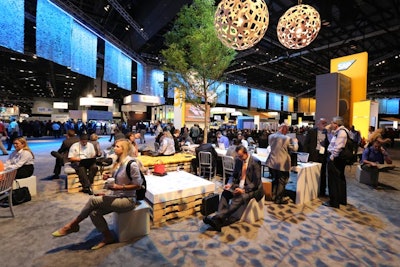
x=364, y=233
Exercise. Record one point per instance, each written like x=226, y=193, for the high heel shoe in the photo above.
x=73, y=229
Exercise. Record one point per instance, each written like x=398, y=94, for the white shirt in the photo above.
x=82, y=152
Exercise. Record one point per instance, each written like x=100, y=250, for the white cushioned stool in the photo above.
x=29, y=182
x=365, y=177
x=132, y=224
x=254, y=211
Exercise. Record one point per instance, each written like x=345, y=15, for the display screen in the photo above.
x=12, y=24
x=275, y=101
x=117, y=67
x=258, y=99
x=238, y=95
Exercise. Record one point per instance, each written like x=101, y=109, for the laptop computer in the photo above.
x=87, y=162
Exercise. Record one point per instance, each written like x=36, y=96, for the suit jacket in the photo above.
x=310, y=144
x=66, y=144
x=253, y=185
x=207, y=148
x=281, y=146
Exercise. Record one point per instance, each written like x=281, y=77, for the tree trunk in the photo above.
x=206, y=118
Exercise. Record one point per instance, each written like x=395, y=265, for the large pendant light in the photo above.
x=299, y=26
x=240, y=24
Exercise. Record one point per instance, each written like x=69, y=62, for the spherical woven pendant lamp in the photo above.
x=240, y=24
x=298, y=27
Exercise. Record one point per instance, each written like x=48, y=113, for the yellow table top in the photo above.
x=177, y=158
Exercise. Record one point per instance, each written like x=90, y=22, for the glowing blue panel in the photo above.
x=117, y=67
x=221, y=92
x=258, y=99
x=238, y=95
x=392, y=106
x=84, y=47
x=53, y=33
x=140, y=81
x=12, y=24
x=156, y=83
x=382, y=106
x=275, y=101
x=124, y=72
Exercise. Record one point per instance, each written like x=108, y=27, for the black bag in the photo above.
x=20, y=195
x=209, y=204
x=349, y=152
x=140, y=193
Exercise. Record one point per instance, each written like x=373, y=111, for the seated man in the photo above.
x=204, y=147
x=243, y=185
x=85, y=170
x=371, y=159
x=62, y=153
x=222, y=139
x=167, y=145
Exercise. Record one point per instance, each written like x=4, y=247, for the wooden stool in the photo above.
x=132, y=224
x=29, y=182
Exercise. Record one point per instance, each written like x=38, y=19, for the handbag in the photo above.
x=20, y=194
x=159, y=168
x=209, y=204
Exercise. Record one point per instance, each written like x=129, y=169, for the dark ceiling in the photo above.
x=348, y=27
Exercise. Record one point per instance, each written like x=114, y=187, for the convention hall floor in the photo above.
x=366, y=232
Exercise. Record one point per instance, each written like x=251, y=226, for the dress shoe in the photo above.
x=88, y=191
x=281, y=201
x=328, y=204
x=54, y=177
x=73, y=229
x=5, y=154
x=207, y=220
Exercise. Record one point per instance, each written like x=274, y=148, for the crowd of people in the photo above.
x=324, y=143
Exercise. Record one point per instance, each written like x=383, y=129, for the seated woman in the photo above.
x=21, y=158
x=372, y=157
x=167, y=145
x=123, y=198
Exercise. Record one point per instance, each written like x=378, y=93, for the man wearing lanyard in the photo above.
x=244, y=184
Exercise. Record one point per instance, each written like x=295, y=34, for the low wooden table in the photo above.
x=176, y=195
x=181, y=160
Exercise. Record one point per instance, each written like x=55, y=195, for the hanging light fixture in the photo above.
x=240, y=24
x=299, y=26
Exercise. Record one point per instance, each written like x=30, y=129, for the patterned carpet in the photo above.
x=364, y=233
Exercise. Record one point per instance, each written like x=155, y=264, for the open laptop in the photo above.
x=87, y=162
x=302, y=157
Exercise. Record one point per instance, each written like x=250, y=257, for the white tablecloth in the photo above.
x=308, y=179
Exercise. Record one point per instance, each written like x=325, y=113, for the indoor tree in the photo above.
x=195, y=59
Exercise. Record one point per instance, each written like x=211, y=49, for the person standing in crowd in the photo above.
x=222, y=139
x=142, y=129
x=56, y=128
x=86, y=172
x=62, y=154
x=122, y=199
x=13, y=131
x=3, y=135
x=371, y=158
x=336, y=165
x=244, y=184
x=21, y=158
x=278, y=161
x=113, y=126
x=195, y=133
x=316, y=144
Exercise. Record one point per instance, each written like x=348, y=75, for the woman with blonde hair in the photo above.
x=122, y=199
x=21, y=158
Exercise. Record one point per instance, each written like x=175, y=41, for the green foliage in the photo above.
x=195, y=58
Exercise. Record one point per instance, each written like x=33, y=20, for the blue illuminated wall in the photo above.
x=238, y=95
x=274, y=101
x=258, y=99
x=221, y=92
x=117, y=67
x=61, y=39
x=389, y=106
x=12, y=24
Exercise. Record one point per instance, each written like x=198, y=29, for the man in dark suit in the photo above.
x=244, y=184
x=61, y=154
x=204, y=147
x=316, y=145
